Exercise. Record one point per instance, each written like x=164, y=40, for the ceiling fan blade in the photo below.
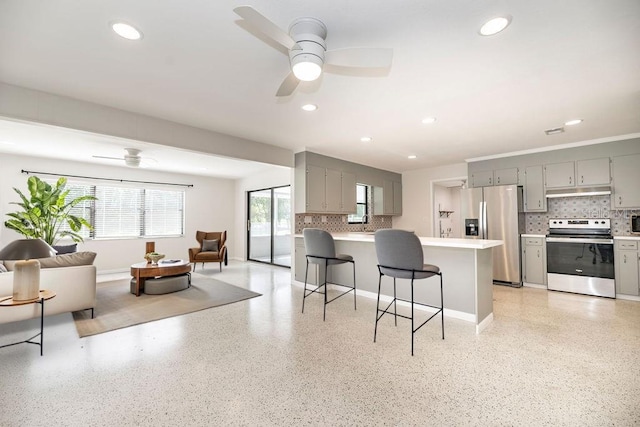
x=265, y=26
x=106, y=157
x=359, y=57
x=289, y=84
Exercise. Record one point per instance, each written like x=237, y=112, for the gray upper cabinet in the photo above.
x=626, y=176
x=349, y=200
x=534, y=196
x=505, y=176
x=559, y=175
x=315, y=189
x=593, y=172
x=333, y=191
x=482, y=179
x=387, y=200
x=497, y=177
x=330, y=190
x=582, y=173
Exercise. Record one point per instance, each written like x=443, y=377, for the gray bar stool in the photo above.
x=321, y=251
x=400, y=256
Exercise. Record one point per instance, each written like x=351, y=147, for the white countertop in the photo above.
x=426, y=241
x=533, y=235
x=626, y=237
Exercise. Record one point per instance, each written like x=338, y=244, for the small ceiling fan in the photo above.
x=132, y=158
x=308, y=52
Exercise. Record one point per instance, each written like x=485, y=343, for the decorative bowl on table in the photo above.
x=153, y=257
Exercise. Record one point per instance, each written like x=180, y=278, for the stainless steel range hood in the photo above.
x=579, y=192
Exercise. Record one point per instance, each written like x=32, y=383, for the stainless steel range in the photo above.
x=580, y=257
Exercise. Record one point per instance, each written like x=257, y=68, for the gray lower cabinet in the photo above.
x=301, y=264
x=627, y=267
x=534, y=260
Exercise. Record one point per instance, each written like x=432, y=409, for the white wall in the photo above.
x=271, y=176
x=209, y=205
x=417, y=200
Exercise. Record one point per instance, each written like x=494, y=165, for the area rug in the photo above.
x=117, y=308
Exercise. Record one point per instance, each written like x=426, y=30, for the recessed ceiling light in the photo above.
x=495, y=25
x=412, y=156
x=309, y=107
x=573, y=122
x=428, y=120
x=366, y=139
x=127, y=31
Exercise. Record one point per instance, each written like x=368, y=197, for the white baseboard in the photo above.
x=628, y=297
x=454, y=314
x=484, y=324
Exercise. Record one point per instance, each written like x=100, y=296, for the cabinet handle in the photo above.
x=620, y=200
x=538, y=253
x=625, y=258
x=570, y=180
x=498, y=180
x=582, y=179
x=539, y=203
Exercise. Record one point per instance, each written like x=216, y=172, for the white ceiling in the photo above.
x=558, y=60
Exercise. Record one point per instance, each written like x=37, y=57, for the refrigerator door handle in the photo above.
x=483, y=220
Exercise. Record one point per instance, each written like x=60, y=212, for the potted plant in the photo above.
x=46, y=211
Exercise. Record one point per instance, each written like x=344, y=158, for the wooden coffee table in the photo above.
x=143, y=270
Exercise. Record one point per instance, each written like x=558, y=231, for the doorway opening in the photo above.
x=446, y=207
x=269, y=226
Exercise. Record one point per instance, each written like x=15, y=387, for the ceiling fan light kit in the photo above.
x=308, y=52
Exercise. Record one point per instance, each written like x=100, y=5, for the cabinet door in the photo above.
x=559, y=175
x=397, y=198
x=482, y=179
x=349, y=201
x=627, y=272
x=626, y=176
x=593, y=172
x=333, y=191
x=535, y=200
x=506, y=176
x=534, y=261
x=387, y=197
x=315, y=187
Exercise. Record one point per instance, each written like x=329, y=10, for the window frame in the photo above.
x=350, y=218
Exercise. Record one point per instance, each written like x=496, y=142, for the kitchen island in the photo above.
x=466, y=265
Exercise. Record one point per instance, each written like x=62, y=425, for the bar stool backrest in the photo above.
x=398, y=249
x=318, y=243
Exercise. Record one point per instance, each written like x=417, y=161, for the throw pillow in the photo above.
x=210, y=245
x=3, y=269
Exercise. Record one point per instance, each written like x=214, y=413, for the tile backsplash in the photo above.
x=581, y=207
x=339, y=223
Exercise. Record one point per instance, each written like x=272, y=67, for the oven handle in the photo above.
x=579, y=240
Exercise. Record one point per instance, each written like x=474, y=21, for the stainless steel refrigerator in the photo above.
x=496, y=213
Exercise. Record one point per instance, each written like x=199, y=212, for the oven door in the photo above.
x=584, y=266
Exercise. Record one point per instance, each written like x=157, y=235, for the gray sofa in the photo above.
x=72, y=277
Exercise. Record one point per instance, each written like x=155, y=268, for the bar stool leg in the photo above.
x=324, y=314
x=304, y=293
x=395, y=303
x=442, y=306
x=375, y=330
x=354, y=285
x=412, y=330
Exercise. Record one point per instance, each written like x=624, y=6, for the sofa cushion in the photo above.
x=210, y=245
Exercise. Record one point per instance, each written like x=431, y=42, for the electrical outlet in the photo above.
x=344, y=219
x=382, y=219
x=307, y=219
x=323, y=218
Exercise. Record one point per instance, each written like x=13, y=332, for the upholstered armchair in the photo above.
x=212, y=248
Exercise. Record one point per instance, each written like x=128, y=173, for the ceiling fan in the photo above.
x=132, y=157
x=308, y=52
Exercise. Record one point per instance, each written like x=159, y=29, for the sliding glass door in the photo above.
x=269, y=226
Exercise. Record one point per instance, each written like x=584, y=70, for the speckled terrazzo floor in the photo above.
x=548, y=359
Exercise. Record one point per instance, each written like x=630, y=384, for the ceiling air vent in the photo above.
x=554, y=131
